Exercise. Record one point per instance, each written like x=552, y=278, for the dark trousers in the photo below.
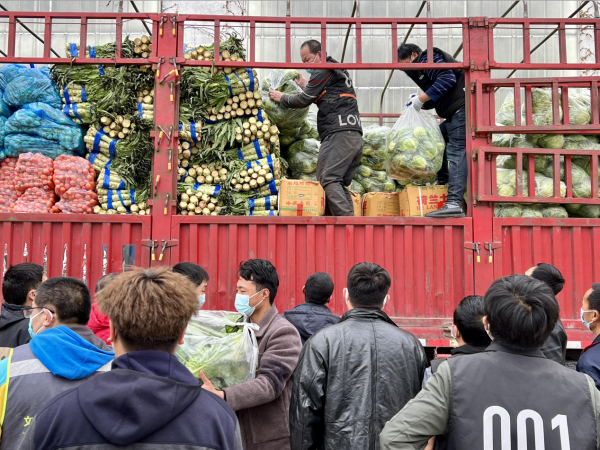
x=339, y=157
x=454, y=169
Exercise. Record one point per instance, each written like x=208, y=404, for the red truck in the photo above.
x=434, y=263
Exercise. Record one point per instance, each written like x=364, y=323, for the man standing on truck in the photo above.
x=488, y=398
x=338, y=123
x=443, y=90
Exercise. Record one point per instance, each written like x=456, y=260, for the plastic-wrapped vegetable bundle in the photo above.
x=73, y=172
x=507, y=210
x=303, y=156
x=522, y=141
x=586, y=211
x=241, y=205
x=506, y=184
x=77, y=201
x=374, y=180
x=415, y=147
x=221, y=345
x=41, y=120
x=357, y=188
x=34, y=171
x=288, y=120
x=374, y=139
x=582, y=183
x=506, y=114
x=552, y=211
x=8, y=192
x=309, y=130
x=35, y=200
x=26, y=89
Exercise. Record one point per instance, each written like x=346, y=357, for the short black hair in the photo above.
x=549, y=275
x=314, y=47
x=262, y=273
x=70, y=297
x=19, y=280
x=405, y=51
x=467, y=318
x=318, y=288
x=594, y=297
x=194, y=272
x=521, y=311
x=103, y=281
x=368, y=284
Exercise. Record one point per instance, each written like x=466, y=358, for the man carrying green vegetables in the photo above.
x=443, y=90
x=338, y=123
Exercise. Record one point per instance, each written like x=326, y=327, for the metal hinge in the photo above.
x=490, y=247
x=474, y=246
x=480, y=67
x=479, y=22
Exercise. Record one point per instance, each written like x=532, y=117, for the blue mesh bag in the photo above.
x=41, y=120
x=26, y=89
x=5, y=110
x=15, y=144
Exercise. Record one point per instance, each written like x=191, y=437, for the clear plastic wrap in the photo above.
x=415, y=147
x=222, y=345
x=77, y=201
x=506, y=184
x=303, y=156
x=309, y=130
x=34, y=170
x=357, y=188
x=288, y=120
x=35, y=200
x=73, y=172
x=374, y=139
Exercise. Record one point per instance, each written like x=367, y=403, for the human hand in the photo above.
x=275, y=95
x=301, y=81
x=415, y=102
x=209, y=386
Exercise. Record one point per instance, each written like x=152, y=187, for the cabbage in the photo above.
x=303, y=156
x=553, y=211
x=531, y=213
x=507, y=210
x=551, y=141
x=357, y=188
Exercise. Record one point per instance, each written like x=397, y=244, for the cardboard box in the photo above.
x=357, y=203
x=301, y=198
x=416, y=201
x=381, y=204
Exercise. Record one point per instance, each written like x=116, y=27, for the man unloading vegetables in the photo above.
x=443, y=90
x=338, y=123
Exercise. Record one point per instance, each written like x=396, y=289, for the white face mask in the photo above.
x=242, y=303
x=201, y=300
x=452, y=332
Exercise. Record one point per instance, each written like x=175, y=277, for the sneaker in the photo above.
x=447, y=211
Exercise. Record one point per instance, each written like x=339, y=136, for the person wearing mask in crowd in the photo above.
x=555, y=347
x=149, y=400
x=467, y=329
x=589, y=361
x=313, y=315
x=263, y=404
x=354, y=376
x=98, y=321
x=444, y=91
x=485, y=400
x=18, y=289
x=197, y=275
x=62, y=354
x=338, y=122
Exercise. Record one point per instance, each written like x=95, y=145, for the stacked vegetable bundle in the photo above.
x=228, y=148
x=579, y=113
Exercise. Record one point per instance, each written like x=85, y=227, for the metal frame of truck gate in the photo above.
x=433, y=263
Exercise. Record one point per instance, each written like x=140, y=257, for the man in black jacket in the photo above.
x=313, y=315
x=555, y=347
x=18, y=289
x=338, y=123
x=352, y=377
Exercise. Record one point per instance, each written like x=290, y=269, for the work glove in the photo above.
x=415, y=102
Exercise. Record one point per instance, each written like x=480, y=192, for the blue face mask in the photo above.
x=201, y=300
x=30, y=328
x=242, y=303
x=311, y=71
x=587, y=324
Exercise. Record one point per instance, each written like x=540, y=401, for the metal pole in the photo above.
x=348, y=32
x=30, y=31
x=137, y=11
x=549, y=36
x=457, y=52
x=392, y=72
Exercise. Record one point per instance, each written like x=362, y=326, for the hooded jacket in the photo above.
x=351, y=379
x=54, y=361
x=308, y=318
x=13, y=326
x=99, y=323
x=149, y=399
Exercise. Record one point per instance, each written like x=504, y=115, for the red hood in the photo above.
x=99, y=323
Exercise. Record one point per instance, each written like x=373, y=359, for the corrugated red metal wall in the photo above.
x=68, y=245
x=429, y=265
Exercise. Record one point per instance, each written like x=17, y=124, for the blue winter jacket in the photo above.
x=308, y=318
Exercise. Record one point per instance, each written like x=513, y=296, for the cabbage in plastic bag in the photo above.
x=506, y=184
x=582, y=183
x=25, y=89
x=587, y=211
x=531, y=213
x=303, y=156
x=374, y=138
x=415, y=147
x=507, y=210
x=222, y=346
x=288, y=120
x=41, y=120
x=551, y=141
x=552, y=211
x=309, y=130
x=502, y=140
x=357, y=188
x=506, y=114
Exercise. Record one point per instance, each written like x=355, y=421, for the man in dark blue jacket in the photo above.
x=149, y=399
x=589, y=361
x=313, y=315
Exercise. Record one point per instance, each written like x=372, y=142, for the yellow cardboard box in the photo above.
x=357, y=203
x=301, y=198
x=381, y=204
x=416, y=201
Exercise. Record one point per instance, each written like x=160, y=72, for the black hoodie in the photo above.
x=14, y=326
x=148, y=398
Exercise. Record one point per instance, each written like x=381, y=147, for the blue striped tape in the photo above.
x=101, y=70
x=273, y=187
x=132, y=195
x=257, y=148
x=251, y=76
x=193, y=131
x=270, y=163
x=92, y=51
x=76, y=113
x=196, y=186
x=112, y=149
x=83, y=94
x=240, y=154
x=267, y=203
x=122, y=202
x=96, y=146
x=140, y=110
x=259, y=115
x=106, y=182
x=251, y=204
x=73, y=49
x=109, y=203
x=66, y=94
x=229, y=86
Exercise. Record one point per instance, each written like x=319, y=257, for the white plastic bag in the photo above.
x=222, y=345
x=415, y=147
